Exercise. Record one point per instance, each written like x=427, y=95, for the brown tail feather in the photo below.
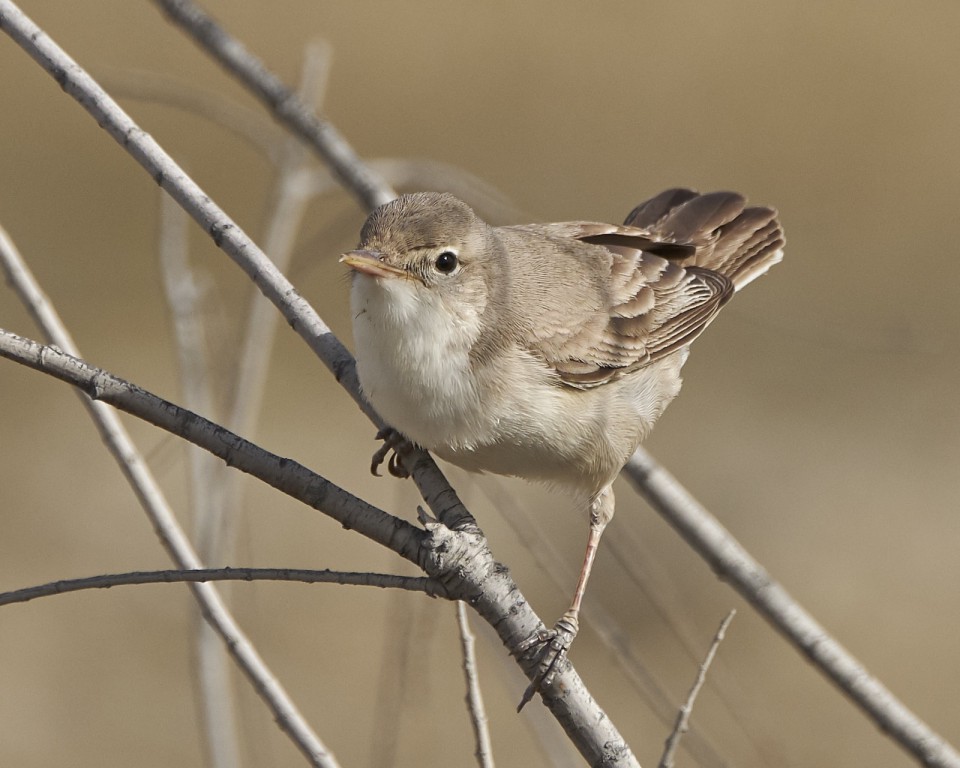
x=738, y=242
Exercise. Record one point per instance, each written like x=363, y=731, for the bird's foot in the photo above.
x=554, y=644
x=394, y=444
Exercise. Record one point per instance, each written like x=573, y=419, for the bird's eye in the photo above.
x=446, y=262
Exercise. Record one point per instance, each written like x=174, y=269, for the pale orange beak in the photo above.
x=371, y=263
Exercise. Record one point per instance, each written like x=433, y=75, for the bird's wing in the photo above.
x=672, y=266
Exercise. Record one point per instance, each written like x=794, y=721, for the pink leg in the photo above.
x=556, y=642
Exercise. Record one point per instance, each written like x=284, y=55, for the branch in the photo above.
x=683, y=716
x=305, y=576
x=733, y=563
x=478, y=715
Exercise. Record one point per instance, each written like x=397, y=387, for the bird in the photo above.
x=543, y=351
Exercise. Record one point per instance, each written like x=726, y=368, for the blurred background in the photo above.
x=819, y=419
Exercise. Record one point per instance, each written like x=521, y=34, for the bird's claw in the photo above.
x=394, y=444
x=554, y=644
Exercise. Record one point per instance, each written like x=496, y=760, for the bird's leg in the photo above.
x=556, y=642
x=393, y=442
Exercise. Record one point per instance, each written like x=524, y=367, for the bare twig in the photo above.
x=221, y=734
x=164, y=521
x=732, y=562
x=184, y=299
x=357, y=177
x=474, y=698
x=305, y=576
x=683, y=716
x=568, y=699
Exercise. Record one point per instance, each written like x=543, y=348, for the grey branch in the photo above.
x=478, y=715
x=683, y=716
x=305, y=576
x=733, y=563
x=208, y=502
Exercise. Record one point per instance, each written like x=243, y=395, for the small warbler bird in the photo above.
x=544, y=351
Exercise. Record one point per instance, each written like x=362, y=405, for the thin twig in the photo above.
x=683, y=716
x=474, y=697
x=184, y=300
x=164, y=521
x=357, y=177
x=733, y=563
x=213, y=679
x=305, y=576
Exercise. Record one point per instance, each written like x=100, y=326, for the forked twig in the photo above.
x=478, y=714
x=683, y=716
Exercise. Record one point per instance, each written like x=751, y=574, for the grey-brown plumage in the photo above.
x=545, y=351
x=675, y=261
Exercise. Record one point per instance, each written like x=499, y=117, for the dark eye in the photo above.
x=446, y=262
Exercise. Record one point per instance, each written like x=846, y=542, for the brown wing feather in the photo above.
x=674, y=262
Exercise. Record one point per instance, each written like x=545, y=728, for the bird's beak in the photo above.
x=371, y=263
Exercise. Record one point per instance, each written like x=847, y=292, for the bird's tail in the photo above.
x=740, y=243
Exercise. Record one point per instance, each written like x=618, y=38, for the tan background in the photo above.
x=819, y=420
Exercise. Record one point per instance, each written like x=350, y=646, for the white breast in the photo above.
x=413, y=359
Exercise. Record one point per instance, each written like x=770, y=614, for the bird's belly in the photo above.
x=580, y=438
